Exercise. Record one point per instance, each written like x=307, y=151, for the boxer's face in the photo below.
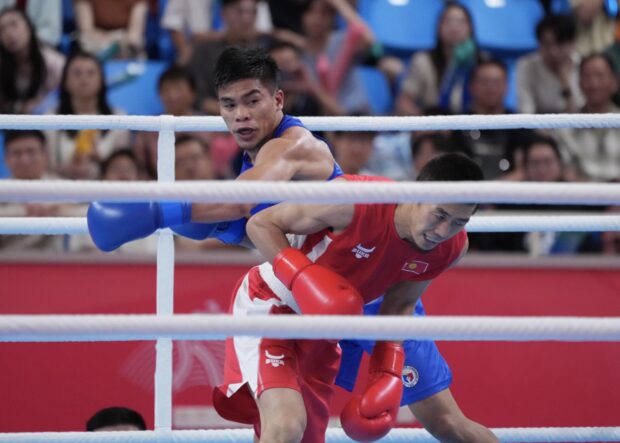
x=432, y=224
x=251, y=111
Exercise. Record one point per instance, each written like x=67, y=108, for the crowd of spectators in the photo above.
x=52, y=62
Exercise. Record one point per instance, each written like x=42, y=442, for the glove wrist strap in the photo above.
x=288, y=264
x=387, y=357
x=175, y=213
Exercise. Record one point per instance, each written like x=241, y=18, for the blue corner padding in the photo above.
x=134, y=94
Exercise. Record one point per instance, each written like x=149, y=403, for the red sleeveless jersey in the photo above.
x=369, y=253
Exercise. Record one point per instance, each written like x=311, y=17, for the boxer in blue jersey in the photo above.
x=278, y=147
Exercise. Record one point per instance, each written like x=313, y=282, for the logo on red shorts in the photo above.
x=410, y=376
x=274, y=360
x=416, y=266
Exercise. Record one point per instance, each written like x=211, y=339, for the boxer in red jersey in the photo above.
x=329, y=266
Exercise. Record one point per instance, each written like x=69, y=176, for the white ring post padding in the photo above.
x=334, y=435
x=58, y=328
x=165, y=283
x=486, y=223
x=336, y=123
x=235, y=191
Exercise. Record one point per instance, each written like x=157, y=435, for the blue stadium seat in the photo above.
x=402, y=26
x=505, y=26
x=132, y=91
x=377, y=88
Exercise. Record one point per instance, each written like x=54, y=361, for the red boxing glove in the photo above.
x=370, y=416
x=317, y=290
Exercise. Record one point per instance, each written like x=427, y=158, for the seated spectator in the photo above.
x=498, y=151
x=391, y=155
x=547, y=80
x=595, y=27
x=112, y=28
x=120, y=165
x=594, y=153
x=193, y=162
x=29, y=70
x=542, y=162
x=192, y=159
x=239, y=20
x=437, y=78
x=76, y=154
x=177, y=92
x=189, y=22
x=330, y=55
x=304, y=95
x=352, y=150
x=26, y=157
x=610, y=241
x=428, y=145
x=45, y=16
x=116, y=419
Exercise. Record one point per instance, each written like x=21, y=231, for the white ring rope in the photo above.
x=486, y=223
x=58, y=328
x=346, y=123
x=106, y=328
x=334, y=435
x=43, y=225
x=243, y=191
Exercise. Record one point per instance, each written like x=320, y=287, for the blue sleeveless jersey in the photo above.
x=288, y=122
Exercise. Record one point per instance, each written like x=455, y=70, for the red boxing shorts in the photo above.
x=254, y=364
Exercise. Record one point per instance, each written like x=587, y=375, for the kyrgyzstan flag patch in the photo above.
x=415, y=266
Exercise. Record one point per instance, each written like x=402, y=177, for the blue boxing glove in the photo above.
x=111, y=225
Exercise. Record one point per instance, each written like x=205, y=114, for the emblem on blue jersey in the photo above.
x=410, y=376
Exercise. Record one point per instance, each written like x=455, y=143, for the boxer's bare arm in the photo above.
x=268, y=228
